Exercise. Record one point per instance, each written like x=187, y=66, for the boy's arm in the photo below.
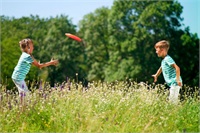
x=177, y=74
x=39, y=65
x=157, y=74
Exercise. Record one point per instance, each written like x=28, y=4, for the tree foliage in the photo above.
x=49, y=40
x=119, y=43
x=132, y=28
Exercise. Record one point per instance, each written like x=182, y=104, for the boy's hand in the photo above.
x=179, y=83
x=155, y=78
x=54, y=62
x=39, y=65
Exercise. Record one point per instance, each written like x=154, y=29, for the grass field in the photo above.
x=101, y=107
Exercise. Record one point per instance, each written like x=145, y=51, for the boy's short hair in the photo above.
x=162, y=44
x=25, y=43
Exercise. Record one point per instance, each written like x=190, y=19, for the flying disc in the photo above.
x=73, y=37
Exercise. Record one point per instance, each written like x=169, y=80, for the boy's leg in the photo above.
x=22, y=89
x=21, y=86
x=173, y=95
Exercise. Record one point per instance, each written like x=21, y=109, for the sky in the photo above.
x=76, y=9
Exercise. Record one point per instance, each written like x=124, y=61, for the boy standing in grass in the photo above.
x=24, y=65
x=169, y=69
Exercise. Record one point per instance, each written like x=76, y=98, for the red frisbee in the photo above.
x=73, y=37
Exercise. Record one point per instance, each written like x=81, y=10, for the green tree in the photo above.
x=12, y=31
x=49, y=40
x=57, y=45
x=119, y=43
x=130, y=29
x=94, y=29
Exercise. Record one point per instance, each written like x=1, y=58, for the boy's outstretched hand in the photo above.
x=155, y=77
x=54, y=62
x=41, y=65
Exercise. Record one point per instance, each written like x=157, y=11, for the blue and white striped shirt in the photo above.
x=23, y=67
x=169, y=73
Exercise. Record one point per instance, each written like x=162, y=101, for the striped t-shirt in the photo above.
x=23, y=67
x=169, y=73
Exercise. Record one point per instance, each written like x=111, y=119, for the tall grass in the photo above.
x=101, y=107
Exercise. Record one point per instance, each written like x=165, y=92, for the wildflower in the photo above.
x=77, y=77
x=68, y=84
x=40, y=88
x=54, y=86
x=1, y=98
x=61, y=86
x=21, y=94
x=16, y=101
x=44, y=95
x=9, y=105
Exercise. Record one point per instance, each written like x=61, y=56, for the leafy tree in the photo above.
x=57, y=45
x=49, y=40
x=130, y=30
x=189, y=57
x=12, y=32
x=94, y=29
x=119, y=43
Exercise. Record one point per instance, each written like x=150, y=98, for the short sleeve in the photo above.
x=170, y=61
x=29, y=59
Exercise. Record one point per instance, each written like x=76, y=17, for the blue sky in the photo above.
x=76, y=9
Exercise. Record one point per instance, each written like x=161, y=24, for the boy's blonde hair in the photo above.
x=25, y=43
x=163, y=44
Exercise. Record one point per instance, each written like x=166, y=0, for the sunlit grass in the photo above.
x=101, y=107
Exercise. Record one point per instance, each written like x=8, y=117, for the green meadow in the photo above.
x=101, y=107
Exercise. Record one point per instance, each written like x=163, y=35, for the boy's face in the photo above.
x=162, y=48
x=160, y=52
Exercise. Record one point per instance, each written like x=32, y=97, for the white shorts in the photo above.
x=21, y=86
x=174, y=93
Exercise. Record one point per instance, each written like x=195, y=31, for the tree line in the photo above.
x=119, y=43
